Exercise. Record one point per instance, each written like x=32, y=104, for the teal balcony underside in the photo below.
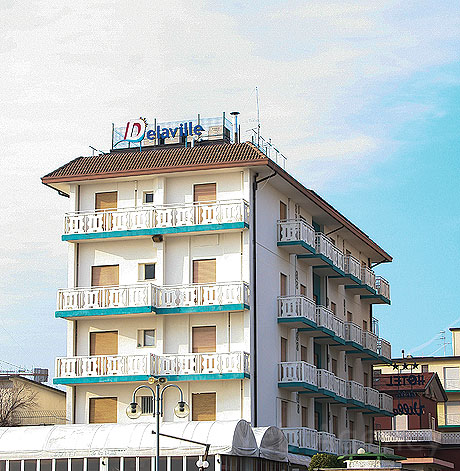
x=300, y=243
x=301, y=451
x=157, y=230
x=144, y=378
x=149, y=309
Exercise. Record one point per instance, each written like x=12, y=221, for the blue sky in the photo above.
x=362, y=97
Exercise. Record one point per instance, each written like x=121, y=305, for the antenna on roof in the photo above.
x=258, y=116
x=97, y=150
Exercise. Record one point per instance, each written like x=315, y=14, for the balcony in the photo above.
x=297, y=374
x=148, y=298
x=301, y=313
x=150, y=220
x=386, y=403
x=301, y=439
x=420, y=435
x=297, y=234
x=373, y=288
x=124, y=368
x=328, y=443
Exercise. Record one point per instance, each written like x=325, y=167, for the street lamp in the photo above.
x=133, y=411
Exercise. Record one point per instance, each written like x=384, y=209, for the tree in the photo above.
x=323, y=460
x=14, y=398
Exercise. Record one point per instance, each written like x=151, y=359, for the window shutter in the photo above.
x=103, y=410
x=204, y=271
x=204, y=406
x=303, y=353
x=104, y=343
x=284, y=413
x=106, y=200
x=283, y=284
x=203, y=339
x=106, y=275
x=204, y=193
x=283, y=349
x=283, y=211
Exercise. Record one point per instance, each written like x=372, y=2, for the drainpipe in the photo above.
x=254, y=287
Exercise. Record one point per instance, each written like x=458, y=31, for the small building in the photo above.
x=44, y=405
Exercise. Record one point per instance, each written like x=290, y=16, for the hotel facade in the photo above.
x=205, y=262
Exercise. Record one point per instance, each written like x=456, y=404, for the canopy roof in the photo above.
x=137, y=439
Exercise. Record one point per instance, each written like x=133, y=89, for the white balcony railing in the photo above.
x=352, y=266
x=370, y=341
x=324, y=246
x=371, y=397
x=384, y=348
x=368, y=277
x=350, y=446
x=147, y=294
x=353, y=333
x=151, y=217
x=116, y=365
x=296, y=306
x=296, y=230
x=385, y=402
x=355, y=391
x=324, y=317
x=420, y=435
x=297, y=371
x=301, y=437
x=328, y=443
x=382, y=286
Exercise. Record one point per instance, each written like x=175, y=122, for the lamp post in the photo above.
x=133, y=411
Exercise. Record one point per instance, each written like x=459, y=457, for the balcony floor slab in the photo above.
x=157, y=230
x=376, y=298
x=297, y=246
x=301, y=451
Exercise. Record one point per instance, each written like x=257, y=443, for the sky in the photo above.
x=361, y=97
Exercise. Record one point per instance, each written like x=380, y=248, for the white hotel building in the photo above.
x=212, y=266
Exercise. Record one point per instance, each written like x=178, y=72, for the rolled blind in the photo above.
x=204, y=271
x=204, y=406
x=204, y=339
x=106, y=200
x=103, y=410
x=204, y=192
x=103, y=343
x=105, y=275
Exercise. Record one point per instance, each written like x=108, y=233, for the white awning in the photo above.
x=272, y=443
x=136, y=439
x=299, y=459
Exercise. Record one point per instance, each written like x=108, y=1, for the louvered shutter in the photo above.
x=106, y=200
x=104, y=343
x=204, y=271
x=204, y=193
x=204, y=406
x=106, y=275
x=103, y=410
x=204, y=339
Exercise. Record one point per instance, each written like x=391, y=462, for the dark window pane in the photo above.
x=15, y=465
x=76, y=464
x=147, y=405
x=149, y=271
x=191, y=463
x=145, y=464
x=61, y=465
x=2, y=465
x=149, y=197
x=93, y=464
x=30, y=465
x=129, y=464
x=114, y=464
x=149, y=338
x=45, y=465
x=212, y=463
x=162, y=463
x=176, y=463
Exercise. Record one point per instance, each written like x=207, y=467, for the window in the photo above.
x=283, y=349
x=304, y=416
x=147, y=405
x=204, y=193
x=105, y=275
x=204, y=339
x=76, y=464
x=303, y=290
x=452, y=411
x=146, y=338
x=114, y=464
x=103, y=410
x=365, y=326
x=145, y=463
x=106, y=200
x=204, y=271
x=351, y=426
x=61, y=465
x=366, y=380
x=146, y=271
x=335, y=425
x=103, y=343
x=333, y=307
x=350, y=373
x=31, y=465
x=204, y=406
x=349, y=316
x=400, y=422
x=92, y=464
x=129, y=464
x=148, y=197
x=283, y=211
x=303, y=353
x=45, y=465
x=284, y=413
x=283, y=284
x=424, y=368
x=334, y=366
x=451, y=378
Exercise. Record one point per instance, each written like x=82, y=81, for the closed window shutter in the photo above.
x=103, y=410
x=204, y=271
x=283, y=349
x=204, y=193
x=106, y=275
x=104, y=343
x=106, y=200
x=303, y=353
x=204, y=406
x=283, y=284
x=203, y=339
x=283, y=211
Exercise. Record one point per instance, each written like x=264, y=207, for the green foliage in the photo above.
x=323, y=460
